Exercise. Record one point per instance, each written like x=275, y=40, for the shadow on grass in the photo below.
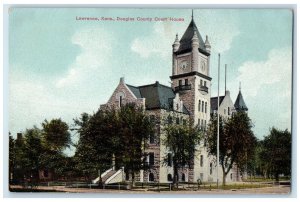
x=30, y=190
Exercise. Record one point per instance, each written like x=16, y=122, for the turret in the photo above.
x=195, y=47
x=207, y=45
x=239, y=102
x=176, y=44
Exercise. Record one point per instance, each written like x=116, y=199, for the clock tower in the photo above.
x=190, y=73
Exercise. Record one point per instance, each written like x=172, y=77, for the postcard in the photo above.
x=150, y=101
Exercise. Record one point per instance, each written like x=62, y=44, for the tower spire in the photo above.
x=240, y=88
x=192, y=14
x=225, y=76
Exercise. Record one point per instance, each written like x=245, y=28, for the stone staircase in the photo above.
x=108, y=175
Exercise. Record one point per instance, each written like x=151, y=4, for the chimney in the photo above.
x=227, y=92
x=122, y=80
x=19, y=136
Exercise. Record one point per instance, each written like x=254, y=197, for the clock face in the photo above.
x=183, y=64
x=203, y=66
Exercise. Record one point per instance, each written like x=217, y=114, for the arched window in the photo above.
x=151, y=177
x=120, y=100
x=205, y=107
x=199, y=105
x=170, y=177
x=202, y=106
x=170, y=120
x=201, y=160
x=183, y=177
x=169, y=159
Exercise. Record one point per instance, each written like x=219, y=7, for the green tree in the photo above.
x=31, y=154
x=134, y=130
x=12, y=157
x=236, y=141
x=56, y=134
x=55, y=138
x=181, y=140
x=93, y=151
x=276, y=153
x=110, y=132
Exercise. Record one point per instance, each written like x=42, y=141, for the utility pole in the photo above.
x=218, y=138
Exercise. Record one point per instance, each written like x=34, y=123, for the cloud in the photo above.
x=277, y=68
x=220, y=37
x=30, y=102
x=158, y=43
x=39, y=97
x=96, y=49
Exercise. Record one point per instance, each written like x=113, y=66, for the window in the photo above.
x=120, y=101
x=151, y=177
x=186, y=82
x=228, y=111
x=177, y=120
x=202, y=106
x=210, y=168
x=177, y=106
x=180, y=82
x=205, y=107
x=231, y=176
x=151, y=138
x=169, y=159
x=199, y=105
x=204, y=124
x=198, y=122
x=204, y=83
x=201, y=124
x=170, y=178
x=151, y=159
x=183, y=177
x=201, y=82
x=170, y=120
x=201, y=160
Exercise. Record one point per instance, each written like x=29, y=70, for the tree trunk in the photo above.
x=224, y=178
x=276, y=177
x=175, y=178
x=132, y=179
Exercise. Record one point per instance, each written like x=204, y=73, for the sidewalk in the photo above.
x=281, y=189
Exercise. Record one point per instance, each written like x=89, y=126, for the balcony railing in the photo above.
x=203, y=89
x=183, y=87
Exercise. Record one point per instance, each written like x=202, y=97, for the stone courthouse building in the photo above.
x=189, y=96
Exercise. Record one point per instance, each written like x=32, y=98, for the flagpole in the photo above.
x=218, y=138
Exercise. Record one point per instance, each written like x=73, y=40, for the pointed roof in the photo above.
x=186, y=39
x=240, y=103
x=214, y=102
x=157, y=96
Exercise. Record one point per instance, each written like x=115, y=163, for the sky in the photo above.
x=60, y=67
